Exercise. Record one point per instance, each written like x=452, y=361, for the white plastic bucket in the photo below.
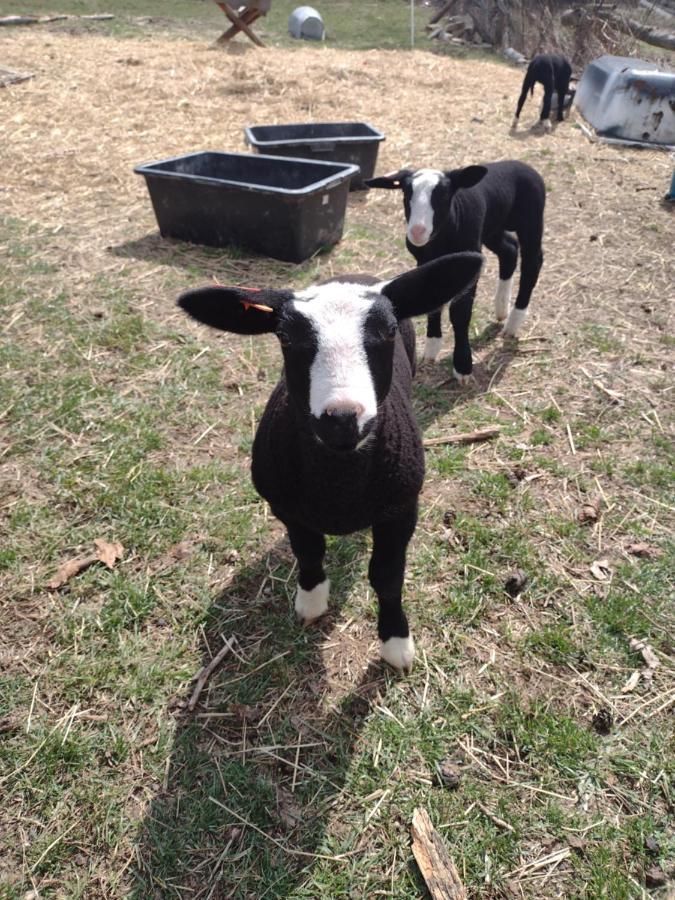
x=305, y=22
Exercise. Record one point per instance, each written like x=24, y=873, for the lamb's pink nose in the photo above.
x=418, y=232
x=345, y=406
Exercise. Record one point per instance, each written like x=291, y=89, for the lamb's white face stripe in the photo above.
x=339, y=372
x=421, y=220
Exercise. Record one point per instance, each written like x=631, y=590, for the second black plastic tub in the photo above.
x=280, y=207
x=356, y=143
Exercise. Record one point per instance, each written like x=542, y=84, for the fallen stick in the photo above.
x=614, y=396
x=19, y=20
x=8, y=77
x=441, y=12
x=499, y=822
x=650, y=658
x=207, y=671
x=47, y=20
x=437, y=868
x=106, y=553
x=468, y=437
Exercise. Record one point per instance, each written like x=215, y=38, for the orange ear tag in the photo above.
x=247, y=305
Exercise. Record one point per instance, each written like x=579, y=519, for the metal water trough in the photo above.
x=285, y=208
x=628, y=101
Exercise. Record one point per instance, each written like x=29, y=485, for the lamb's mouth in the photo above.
x=349, y=445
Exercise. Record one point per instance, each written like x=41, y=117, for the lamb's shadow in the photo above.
x=536, y=129
x=436, y=392
x=534, y=132
x=257, y=768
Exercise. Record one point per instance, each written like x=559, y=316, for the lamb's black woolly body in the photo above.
x=509, y=197
x=335, y=493
x=364, y=466
x=553, y=72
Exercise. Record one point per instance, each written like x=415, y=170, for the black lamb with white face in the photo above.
x=338, y=449
x=497, y=205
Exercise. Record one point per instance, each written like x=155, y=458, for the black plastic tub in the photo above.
x=355, y=143
x=280, y=207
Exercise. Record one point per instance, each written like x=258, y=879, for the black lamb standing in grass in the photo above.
x=464, y=209
x=553, y=72
x=338, y=448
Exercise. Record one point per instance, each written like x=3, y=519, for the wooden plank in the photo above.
x=441, y=12
x=438, y=870
x=7, y=76
x=467, y=437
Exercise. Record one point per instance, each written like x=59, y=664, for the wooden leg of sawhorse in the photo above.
x=240, y=23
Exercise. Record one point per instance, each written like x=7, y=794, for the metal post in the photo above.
x=412, y=24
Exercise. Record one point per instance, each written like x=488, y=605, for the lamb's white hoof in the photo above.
x=503, y=298
x=548, y=127
x=464, y=380
x=514, y=323
x=398, y=652
x=311, y=605
x=432, y=348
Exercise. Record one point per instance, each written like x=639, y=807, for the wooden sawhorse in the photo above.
x=242, y=19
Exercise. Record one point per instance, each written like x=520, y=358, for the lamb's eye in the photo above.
x=390, y=333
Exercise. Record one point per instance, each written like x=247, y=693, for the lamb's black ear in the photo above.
x=239, y=310
x=389, y=182
x=440, y=281
x=466, y=177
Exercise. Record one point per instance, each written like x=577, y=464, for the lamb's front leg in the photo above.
x=460, y=317
x=386, y=570
x=434, y=336
x=309, y=547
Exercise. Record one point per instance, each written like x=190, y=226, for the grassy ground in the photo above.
x=373, y=23
x=298, y=771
